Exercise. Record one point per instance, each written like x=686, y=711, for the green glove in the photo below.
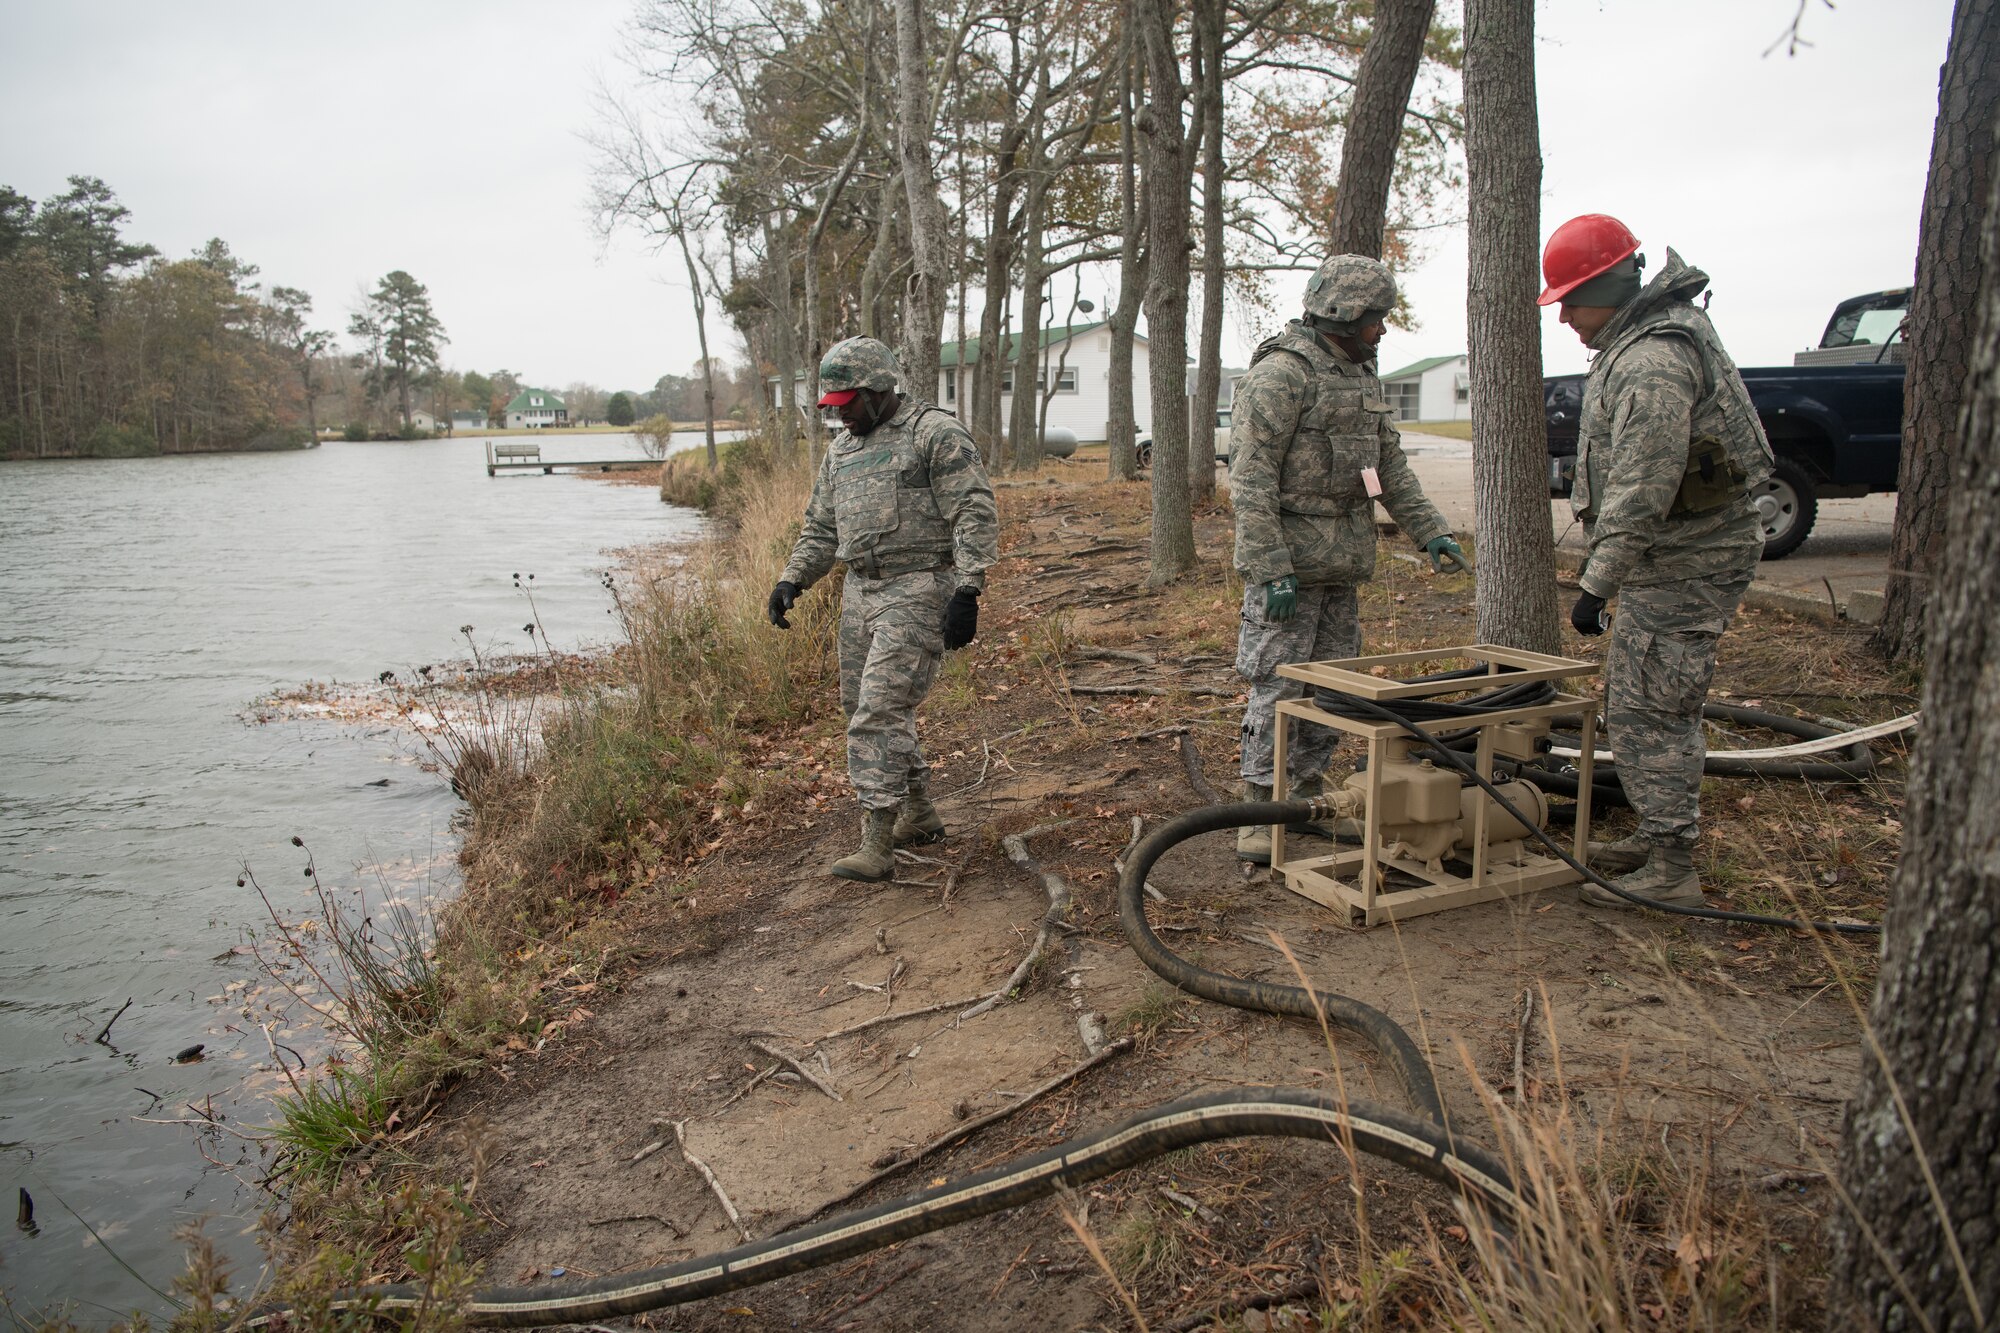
x=1281, y=599
x=1442, y=551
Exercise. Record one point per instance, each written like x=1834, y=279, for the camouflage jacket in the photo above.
x=909, y=495
x=1305, y=424
x=1662, y=386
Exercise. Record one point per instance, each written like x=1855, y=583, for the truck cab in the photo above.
x=1834, y=418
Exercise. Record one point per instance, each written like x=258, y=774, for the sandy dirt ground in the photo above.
x=1691, y=1054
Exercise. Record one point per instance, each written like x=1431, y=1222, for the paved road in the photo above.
x=1848, y=549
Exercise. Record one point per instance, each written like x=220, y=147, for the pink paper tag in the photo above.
x=1371, y=482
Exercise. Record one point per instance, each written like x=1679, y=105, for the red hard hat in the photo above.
x=1581, y=249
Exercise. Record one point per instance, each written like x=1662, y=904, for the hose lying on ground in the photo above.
x=1476, y=1175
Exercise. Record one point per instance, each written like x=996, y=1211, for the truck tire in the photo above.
x=1788, y=505
x=1143, y=447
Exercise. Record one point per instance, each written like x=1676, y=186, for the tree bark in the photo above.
x=784, y=335
x=998, y=295
x=1375, y=124
x=1516, y=597
x=1208, y=356
x=701, y=338
x=1167, y=185
x=1120, y=431
x=1941, y=317
x=1912, y=1253
x=924, y=296
x=1024, y=436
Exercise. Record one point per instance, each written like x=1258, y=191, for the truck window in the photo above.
x=1867, y=320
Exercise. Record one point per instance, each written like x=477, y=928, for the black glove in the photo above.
x=781, y=601
x=961, y=618
x=1588, y=614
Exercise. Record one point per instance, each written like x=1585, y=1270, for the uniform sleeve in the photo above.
x=812, y=553
x=965, y=501
x=1402, y=494
x=1652, y=391
x=1264, y=416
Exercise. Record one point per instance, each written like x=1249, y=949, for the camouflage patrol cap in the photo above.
x=854, y=364
x=1346, y=287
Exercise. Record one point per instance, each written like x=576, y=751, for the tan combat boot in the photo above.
x=1617, y=858
x=919, y=821
x=1253, y=844
x=876, y=860
x=1667, y=878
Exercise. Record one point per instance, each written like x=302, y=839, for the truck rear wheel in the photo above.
x=1788, y=505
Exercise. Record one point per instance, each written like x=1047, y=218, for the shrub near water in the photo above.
x=630, y=773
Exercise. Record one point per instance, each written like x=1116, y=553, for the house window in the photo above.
x=1006, y=381
x=1461, y=391
x=951, y=386
x=1065, y=383
x=1404, y=397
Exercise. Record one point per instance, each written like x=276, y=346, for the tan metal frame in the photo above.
x=1352, y=878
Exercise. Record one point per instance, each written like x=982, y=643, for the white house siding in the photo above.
x=1441, y=393
x=538, y=418
x=1087, y=411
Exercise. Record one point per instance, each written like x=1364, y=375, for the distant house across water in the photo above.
x=422, y=420
x=1438, y=388
x=467, y=421
x=536, y=409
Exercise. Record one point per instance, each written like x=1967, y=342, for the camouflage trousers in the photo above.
x=1656, y=675
x=1328, y=625
x=891, y=638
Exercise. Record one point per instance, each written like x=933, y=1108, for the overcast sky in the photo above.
x=332, y=143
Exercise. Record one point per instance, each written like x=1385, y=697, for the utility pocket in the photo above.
x=1710, y=481
x=864, y=494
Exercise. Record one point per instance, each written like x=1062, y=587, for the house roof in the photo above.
x=520, y=401
x=468, y=412
x=1419, y=367
x=949, y=355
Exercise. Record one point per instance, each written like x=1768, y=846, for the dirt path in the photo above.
x=1700, y=1058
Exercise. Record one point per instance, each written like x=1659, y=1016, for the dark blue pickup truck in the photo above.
x=1835, y=419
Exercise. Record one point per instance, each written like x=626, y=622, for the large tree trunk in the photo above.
x=1120, y=431
x=1941, y=317
x=1208, y=356
x=1516, y=598
x=1024, y=435
x=924, y=296
x=784, y=326
x=701, y=338
x=1918, y=1160
x=998, y=296
x=1375, y=124
x=1167, y=186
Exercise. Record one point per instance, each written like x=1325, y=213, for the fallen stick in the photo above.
x=1191, y=761
x=105, y=1031
x=1521, y=1045
x=953, y=1135
x=745, y=1090
x=1117, y=655
x=880, y=1019
x=721, y=1196
x=803, y=1072
x=1057, y=889
x=1209, y=690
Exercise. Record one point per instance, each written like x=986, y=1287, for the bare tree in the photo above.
x=1516, y=594
x=1120, y=430
x=1917, y=1161
x=930, y=278
x=1207, y=41
x=1941, y=316
x=1168, y=182
x=1375, y=124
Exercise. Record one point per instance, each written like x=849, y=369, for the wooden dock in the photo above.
x=513, y=457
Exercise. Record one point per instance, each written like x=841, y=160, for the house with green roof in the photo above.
x=1076, y=358
x=536, y=409
x=1437, y=388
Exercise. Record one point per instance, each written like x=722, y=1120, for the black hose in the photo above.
x=1369, y=708
x=1473, y=1173
x=1412, y=1070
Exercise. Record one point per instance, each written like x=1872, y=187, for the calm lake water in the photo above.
x=144, y=605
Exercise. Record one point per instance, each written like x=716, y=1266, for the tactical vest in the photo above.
x=886, y=518
x=1339, y=431
x=1728, y=452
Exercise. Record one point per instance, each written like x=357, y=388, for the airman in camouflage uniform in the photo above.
x=902, y=500
x=1668, y=451
x=1311, y=449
